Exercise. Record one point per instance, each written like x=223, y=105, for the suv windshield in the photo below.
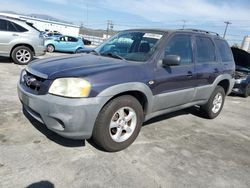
x=131, y=46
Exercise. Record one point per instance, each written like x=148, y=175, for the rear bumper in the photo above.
x=40, y=50
x=70, y=118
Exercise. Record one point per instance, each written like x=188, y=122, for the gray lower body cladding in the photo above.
x=70, y=118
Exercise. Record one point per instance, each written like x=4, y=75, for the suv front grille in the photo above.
x=34, y=83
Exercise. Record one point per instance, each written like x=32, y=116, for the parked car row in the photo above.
x=21, y=41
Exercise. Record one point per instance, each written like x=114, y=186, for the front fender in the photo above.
x=131, y=86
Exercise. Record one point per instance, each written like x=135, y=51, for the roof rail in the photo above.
x=202, y=31
x=7, y=15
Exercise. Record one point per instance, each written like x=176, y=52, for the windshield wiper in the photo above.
x=114, y=56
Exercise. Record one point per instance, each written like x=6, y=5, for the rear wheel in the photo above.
x=50, y=48
x=78, y=50
x=118, y=123
x=215, y=103
x=22, y=55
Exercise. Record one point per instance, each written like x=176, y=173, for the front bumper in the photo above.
x=68, y=117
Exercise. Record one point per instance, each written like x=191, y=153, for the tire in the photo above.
x=110, y=131
x=22, y=55
x=247, y=91
x=211, y=110
x=50, y=48
x=78, y=50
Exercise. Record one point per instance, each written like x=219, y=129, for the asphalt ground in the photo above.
x=179, y=149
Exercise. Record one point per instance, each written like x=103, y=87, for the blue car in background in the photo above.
x=64, y=44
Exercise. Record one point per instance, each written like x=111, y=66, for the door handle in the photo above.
x=189, y=74
x=15, y=35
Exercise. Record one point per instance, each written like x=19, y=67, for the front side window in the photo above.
x=132, y=46
x=180, y=45
x=205, y=50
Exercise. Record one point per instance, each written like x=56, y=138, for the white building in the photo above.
x=48, y=25
x=246, y=44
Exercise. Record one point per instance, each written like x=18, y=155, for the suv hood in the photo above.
x=73, y=66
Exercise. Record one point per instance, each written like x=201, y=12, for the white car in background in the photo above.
x=19, y=40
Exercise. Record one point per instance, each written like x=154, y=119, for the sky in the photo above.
x=200, y=14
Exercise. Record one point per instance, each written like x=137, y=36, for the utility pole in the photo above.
x=184, y=24
x=110, y=26
x=227, y=23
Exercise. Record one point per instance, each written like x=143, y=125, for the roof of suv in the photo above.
x=197, y=31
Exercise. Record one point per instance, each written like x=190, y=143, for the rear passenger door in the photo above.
x=174, y=85
x=207, y=66
x=5, y=36
x=72, y=43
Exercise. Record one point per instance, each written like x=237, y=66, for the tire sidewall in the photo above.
x=53, y=47
x=105, y=118
x=209, y=105
x=13, y=55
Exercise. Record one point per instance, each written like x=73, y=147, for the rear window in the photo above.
x=205, y=50
x=224, y=50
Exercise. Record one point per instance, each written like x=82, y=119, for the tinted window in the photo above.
x=10, y=27
x=72, y=39
x=180, y=45
x=3, y=25
x=19, y=28
x=224, y=50
x=205, y=50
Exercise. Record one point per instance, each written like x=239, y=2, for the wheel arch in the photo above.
x=23, y=44
x=138, y=90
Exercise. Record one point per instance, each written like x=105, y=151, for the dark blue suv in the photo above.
x=136, y=75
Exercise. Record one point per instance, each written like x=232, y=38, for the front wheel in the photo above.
x=118, y=123
x=215, y=103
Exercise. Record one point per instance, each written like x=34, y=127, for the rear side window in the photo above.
x=205, y=50
x=224, y=50
x=18, y=27
x=72, y=39
x=3, y=25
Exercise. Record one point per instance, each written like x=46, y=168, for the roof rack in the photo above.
x=7, y=15
x=202, y=31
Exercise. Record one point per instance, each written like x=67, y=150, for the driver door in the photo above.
x=174, y=85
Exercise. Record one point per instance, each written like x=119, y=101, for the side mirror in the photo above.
x=57, y=40
x=171, y=60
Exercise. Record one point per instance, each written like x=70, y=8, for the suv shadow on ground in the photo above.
x=5, y=60
x=79, y=143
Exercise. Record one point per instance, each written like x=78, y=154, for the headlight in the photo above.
x=70, y=87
